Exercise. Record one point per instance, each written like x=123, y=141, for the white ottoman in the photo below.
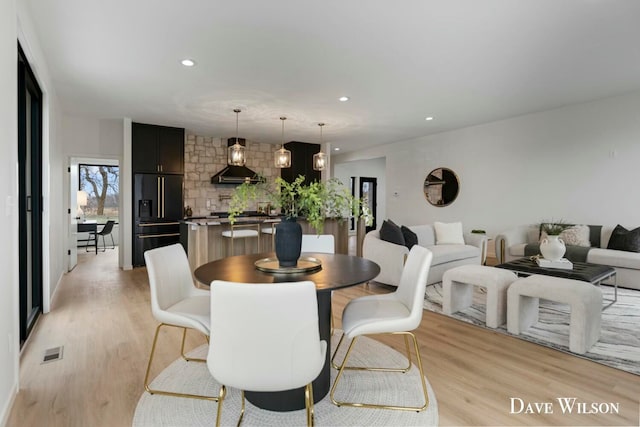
x=584, y=299
x=458, y=283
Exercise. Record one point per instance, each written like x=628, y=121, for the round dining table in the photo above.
x=337, y=271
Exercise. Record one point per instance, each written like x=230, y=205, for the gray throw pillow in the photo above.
x=390, y=232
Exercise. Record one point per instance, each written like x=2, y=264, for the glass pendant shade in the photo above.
x=236, y=153
x=320, y=158
x=319, y=161
x=282, y=157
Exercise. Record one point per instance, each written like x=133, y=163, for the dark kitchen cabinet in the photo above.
x=157, y=149
x=301, y=162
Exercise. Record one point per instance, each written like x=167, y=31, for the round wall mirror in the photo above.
x=441, y=187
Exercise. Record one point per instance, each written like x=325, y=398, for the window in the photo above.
x=100, y=182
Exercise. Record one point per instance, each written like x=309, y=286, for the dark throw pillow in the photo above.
x=390, y=232
x=410, y=238
x=625, y=240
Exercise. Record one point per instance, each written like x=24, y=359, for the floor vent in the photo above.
x=52, y=354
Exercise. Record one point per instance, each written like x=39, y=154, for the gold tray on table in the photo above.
x=305, y=264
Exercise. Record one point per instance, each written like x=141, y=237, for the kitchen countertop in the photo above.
x=215, y=220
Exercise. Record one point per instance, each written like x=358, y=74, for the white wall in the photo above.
x=15, y=24
x=371, y=168
x=578, y=163
x=93, y=139
x=8, y=195
x=54, y=237
x=90, y=137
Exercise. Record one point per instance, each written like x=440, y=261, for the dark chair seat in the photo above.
x=106, y=231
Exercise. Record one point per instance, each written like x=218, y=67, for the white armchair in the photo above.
x=512, y=238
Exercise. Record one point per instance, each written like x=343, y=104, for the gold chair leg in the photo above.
x=162, y=392
x=241, y=408
x=368, y=368
x=184, y=356
x=308, y=400
x=371, y=405
x=332, y=324
x=221, y=395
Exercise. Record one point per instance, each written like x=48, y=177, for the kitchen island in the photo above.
x=203, y=241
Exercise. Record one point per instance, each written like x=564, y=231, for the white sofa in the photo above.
x=511, y=244
x=391, y=257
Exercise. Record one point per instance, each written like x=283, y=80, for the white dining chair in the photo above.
x=399, y=312
x=319, y=243
x=244, y=232
x=175, y=302
x=265, y=338
x=270, y=230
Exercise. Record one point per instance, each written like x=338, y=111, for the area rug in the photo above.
x=374, y=387
x=619, y=343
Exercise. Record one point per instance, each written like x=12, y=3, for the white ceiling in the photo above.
x=462, y=61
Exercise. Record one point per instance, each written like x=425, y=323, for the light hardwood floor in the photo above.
x=102, y=317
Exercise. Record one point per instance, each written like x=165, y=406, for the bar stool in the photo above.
x=271, y=230
x=242, y=231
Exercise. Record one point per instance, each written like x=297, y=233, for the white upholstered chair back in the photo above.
x=265, y=337
x=319, y=243
x=413, y=283
x=171, y=282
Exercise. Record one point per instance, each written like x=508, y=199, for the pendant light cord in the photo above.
x=283, y=119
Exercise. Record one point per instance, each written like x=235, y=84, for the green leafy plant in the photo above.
x=315, y=201
x=554, y=228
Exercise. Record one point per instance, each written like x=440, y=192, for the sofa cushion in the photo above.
x=448, y=233
x=410, y=238
x=624, y=240
x=595, y=232
x=426, y=234
x=391, y=232
x=448, y=253
x=614, y=258
x=578, y=235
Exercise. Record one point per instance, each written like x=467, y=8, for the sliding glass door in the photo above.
x=30, y=197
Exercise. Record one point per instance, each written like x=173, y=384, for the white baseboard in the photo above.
x=47, y=307
x=6, y=410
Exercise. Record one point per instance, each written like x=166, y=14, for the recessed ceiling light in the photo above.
x=336, y=149
x=428, y=118
x=343, y=98
x=188, y=62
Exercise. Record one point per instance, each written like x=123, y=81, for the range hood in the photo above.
x=235, y=175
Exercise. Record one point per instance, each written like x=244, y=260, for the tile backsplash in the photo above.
x=204, y=156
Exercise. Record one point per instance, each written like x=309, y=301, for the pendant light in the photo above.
x=320, y=158
x=283, y=156
x=236, y=152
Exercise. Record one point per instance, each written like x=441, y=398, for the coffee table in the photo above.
x=582, y=271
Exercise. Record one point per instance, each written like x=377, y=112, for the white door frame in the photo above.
x=72, y=241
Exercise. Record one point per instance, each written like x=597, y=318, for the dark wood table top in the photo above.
x=338, y=271
x=586, y=272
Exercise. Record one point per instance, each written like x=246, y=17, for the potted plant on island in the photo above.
x=315, y=201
